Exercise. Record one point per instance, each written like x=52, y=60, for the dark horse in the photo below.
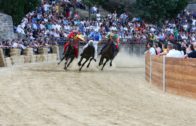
x=108, y=53
x=68, y=56
x=87, y=54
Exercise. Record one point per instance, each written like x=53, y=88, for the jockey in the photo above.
x=95, y=38
x=74, y=41
x=113, y=37
x=67, y=44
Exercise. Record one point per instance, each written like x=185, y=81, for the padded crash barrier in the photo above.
x=28, y=56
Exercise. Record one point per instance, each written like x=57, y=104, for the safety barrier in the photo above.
x=28, y=57
x=173, y=75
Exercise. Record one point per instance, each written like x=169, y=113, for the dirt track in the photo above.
x=46, y=95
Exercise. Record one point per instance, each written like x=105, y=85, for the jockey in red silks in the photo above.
x=73, y=40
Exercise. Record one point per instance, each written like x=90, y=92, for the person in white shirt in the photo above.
x=151, y=50
x=42, y=26
x=20, y=30
x=46, y=7
x=173, y=52
x=15, y=45
x=98, y=15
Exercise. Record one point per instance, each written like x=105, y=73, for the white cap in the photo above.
x=90, y=41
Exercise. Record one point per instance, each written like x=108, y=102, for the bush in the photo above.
x=157, y=11
x=17, y=8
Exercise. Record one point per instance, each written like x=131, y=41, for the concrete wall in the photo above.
x=6, y=27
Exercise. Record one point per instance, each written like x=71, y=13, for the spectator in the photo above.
x=158, y=48
x=173, y=52
x=193, y=53
x=152, y=50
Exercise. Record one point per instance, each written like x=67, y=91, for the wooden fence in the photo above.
x=173, y=75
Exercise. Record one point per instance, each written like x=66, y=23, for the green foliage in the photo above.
x=157, y=11
x=17, y=8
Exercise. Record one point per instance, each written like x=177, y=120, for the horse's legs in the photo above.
x=101, y=61
x=95, y=53
x=83, y=64
x=89, y=62
x=61, y=60
x=65, y=67
x=115, y=54
x=79, y=63
x=111, y=63
x=71, y=60
x=105, y=63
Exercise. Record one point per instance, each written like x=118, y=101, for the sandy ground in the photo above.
x=46, y=95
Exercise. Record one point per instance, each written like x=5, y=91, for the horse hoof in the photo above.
x=110, y=65
x=79, y=64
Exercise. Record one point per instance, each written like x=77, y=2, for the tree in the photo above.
x=17, y=8
x=157, y=11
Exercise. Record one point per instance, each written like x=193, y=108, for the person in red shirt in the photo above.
x=67, y=44
x=74, y=40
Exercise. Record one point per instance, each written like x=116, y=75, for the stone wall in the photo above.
x=6, y=27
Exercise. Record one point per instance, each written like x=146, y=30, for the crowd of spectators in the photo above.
x=173, y=50
x=177, y=38
x=54, y=20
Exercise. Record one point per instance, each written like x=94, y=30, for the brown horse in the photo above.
x=108, y=53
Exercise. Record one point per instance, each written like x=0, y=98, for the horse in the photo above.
x=108, y=53
x=68, y=56
x=87, y=54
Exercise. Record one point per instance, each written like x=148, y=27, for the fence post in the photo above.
x=150, y=69
x=164, y=86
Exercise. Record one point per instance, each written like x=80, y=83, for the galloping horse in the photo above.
x=108, y=53
x=88, y=54
x=68, y=56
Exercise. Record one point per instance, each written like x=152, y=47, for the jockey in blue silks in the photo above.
x=96, y=37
